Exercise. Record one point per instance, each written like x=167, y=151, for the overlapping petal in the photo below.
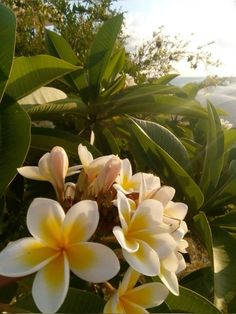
x=51, y=285
x=44, y=221
x=80, y=222
x=24, y=257
x=145, y=260
x=93, y=262
x=129, y=244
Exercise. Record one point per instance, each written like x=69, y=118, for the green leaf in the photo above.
x=30, y=73
x=165, y=79
x=189, y=301
x=203, y=229
x=101, y=51
x=156, y=158
x=146, y=101
x=45, y=139
x=115, y=66
x=166, y=140
x=226, y=221
x=77, y=301
x=14, y=142
x=58, y=47
x=191, y=89
x=105, y=141
x=224, y=267
x=7, y=47
x=52, y=110
x=214, y=153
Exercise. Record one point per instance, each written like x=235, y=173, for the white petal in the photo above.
x=44, y=220
x=124, y=210
x=81, y=221
x=144, y=261
x=44, y=166
x=165, y=194
x=24, y=257
x=147, y=216
x=31, y=173
x=93, y=262
x=58, y=165
x=129, y=280
x=130, y=307
x=126, y=170
x=148, y=295
x=51, y=285
x=165, y=244
x=85, y=156
x=113, y=305
x=170, y=263
x=176, y=210
x=129, y=245
x=170, y=280
x=73, y=170
x=182, y=263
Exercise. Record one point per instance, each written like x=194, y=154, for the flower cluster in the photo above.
x=109, y=203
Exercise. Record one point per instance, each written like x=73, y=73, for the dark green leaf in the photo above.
x=189, y=301
x=202, y=227
x=154, y=157
x=214, y=153
x=7, y=47
x=77, y=301
x=58, y=47
x=224, y=267
x=165, y=79
x=30, y=73
x=166, y=140
x=101, y=51
x=14, y=142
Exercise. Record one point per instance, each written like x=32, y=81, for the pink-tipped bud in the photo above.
x=58, y=165
x=107, y=176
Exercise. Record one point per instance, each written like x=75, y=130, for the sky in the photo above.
x=200, y=21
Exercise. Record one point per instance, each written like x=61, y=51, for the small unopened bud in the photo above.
x=107, y=176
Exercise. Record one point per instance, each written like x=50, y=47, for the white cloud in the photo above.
x=207, y=19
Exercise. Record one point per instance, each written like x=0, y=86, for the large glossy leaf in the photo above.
x=59, y=47
x=30, y=73
x=115, y=67
x=189, y=301
x=101, y=51
x=165, y=79
x=139, y=103
x=52, y=110
x=203, y=229
x=77, y=301
x=167, y=141
x=224, y=267
x=155, y=157
x=105, y=141
x=45, y=139
x=226, y=221
x=14, y=142
x=214, y=153
x=225, y=192
x=7, y=47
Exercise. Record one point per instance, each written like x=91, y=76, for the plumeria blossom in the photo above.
x=142, y=235
x=174, y=262
x=98, y=174
x=130, y=299
x=128, y=183
x=58, y=245
x=52, y=167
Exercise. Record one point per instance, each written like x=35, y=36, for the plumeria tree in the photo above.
x=110, y=192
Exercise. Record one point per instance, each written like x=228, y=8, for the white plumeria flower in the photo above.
x=174, y=210
x=58, y=245
x=174, y=263
x=101, y=172
x=143, y=237
x=130, y=299
x=128, y=183
x=52, y=167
